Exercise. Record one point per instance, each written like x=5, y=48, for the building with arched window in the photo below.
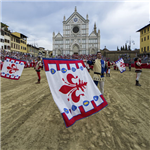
x=76, y=38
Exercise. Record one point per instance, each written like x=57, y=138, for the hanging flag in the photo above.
x=73, y=89
x=12, y=68
x=120, y=64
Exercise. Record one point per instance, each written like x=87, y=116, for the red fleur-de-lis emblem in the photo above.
x=71, y=87
x=122, y=64
x=12, y=69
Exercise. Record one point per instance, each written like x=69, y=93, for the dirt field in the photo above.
x=30, y=119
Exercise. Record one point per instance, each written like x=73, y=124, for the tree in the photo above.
x=117, y=48
x=123, y=47
x=129, y=48
x=126, y=47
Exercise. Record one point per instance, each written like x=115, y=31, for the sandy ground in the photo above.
x=30, y=119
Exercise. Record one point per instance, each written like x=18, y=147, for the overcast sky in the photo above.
x=117, y=20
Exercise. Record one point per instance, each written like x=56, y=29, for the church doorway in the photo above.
x=92, y=51
x=75, y=49
x=58, y=52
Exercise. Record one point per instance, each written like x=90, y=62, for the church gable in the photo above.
x=59, y=36
x=93, y=34
x=75, y=18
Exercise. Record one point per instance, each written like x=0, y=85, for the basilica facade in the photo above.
x=76, y=38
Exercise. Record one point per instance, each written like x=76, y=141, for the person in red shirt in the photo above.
x=37, y=68
x=108, y=64
x=138, y=69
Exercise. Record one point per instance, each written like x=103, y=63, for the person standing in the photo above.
x=138, y=69
x=129, y=65
x=108, y=67
x=37, y=68
x=99, y=70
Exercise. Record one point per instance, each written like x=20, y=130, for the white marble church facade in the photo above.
x=76, y=38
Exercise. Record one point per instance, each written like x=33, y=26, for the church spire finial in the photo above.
x=75, y=9
x=87, y=16
x=64, y=18
x=95, y=27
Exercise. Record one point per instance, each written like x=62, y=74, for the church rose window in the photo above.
x=75, y=29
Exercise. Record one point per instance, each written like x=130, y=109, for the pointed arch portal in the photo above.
x=75, y=49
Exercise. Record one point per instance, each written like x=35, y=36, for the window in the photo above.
x=141, y=39
x=83, y=26
x=67, y=46
x=67, y=41
x=95, y=45
x=67, y=27
x=83, y=41
x=144, y=38
x=147, y=48
x=148, y=37
x=142, y=49
x=67, y=32
x=93, y=41
x=84, y=52
x=76, y=29
x=90, y=45
x=83, y=31
x=83, y=45
x=144, y=30
x=58, y=42
x=56, y=46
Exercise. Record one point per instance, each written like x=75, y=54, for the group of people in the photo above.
x=94, y=62
x=100, y=67
x=18, y=55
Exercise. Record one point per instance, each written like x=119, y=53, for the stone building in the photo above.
x=115, y=55
x=32, y=49
x=76, y=38
x=5, y=37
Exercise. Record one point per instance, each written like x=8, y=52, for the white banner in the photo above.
x=120, y=64
x=12, y=68
x=73, y=89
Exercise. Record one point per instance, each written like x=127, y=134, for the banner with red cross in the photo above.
x=12, y=68
x=121, y=65
x=73, y=89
